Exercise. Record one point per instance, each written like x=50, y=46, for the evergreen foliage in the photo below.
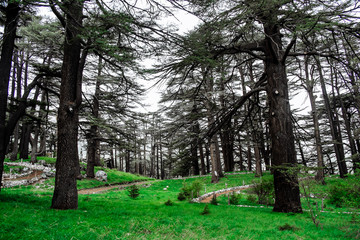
x=346, y=193
x=264, y=189
x=190, y=190
x=206, y=210
x=214, y=200
x=133, y=191
x=234, y=198
x=169, y=203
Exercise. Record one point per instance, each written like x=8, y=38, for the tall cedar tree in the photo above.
x=67, y=162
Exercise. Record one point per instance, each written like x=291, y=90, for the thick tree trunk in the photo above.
x=287, y=193
x=67, y=163
x=8, y=42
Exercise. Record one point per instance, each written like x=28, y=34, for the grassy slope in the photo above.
x=25, y=214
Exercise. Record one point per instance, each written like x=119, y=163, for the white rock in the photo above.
x=101, y=176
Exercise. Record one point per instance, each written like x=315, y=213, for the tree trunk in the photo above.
x=8, y=42
x=258, y=170
x=90, y=172
x=310, y=90
x=338, y=147
x=67, y=163
x=287, y=193
x=249, y=157
x=202, y=159
x=25, y=140
x=94, y=143
x=214, y=163
x=346, y=117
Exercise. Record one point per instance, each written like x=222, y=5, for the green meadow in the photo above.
x=26, y=214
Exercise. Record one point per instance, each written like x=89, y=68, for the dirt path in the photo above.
x=33, y=174
x=208, y=199
x=107, y=188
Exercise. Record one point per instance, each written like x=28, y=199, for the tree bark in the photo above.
x=287, y=193
x=67, y=163
x=11, y=12
x=202, y=159
x=309, y=82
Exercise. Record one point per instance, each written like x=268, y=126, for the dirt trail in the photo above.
x=208, y=199
x=33, y=174
x=107, y=188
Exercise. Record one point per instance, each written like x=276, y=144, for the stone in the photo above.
x=42, y=162
x=101, y=176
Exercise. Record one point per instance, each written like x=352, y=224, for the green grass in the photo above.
x=26, y=214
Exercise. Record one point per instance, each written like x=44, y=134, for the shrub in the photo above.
x=181, y=196
x=133, y=191
x=264, y=189
x=288, y=227
x=206, y=210
x=234, y=198
x=169, y=203
x=214, y=200
x=345, y=194
x=190, y=191
x=251, y=198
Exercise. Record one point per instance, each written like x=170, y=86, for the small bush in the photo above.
x=251, y=198
x=288, y=227
x=234, y=198
x=214, y=200
x=190, y=191
x=206, y=210
x=181, y=196
x=346, y=193
x=264, y=189
x=169, y=203
x=133, y=191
